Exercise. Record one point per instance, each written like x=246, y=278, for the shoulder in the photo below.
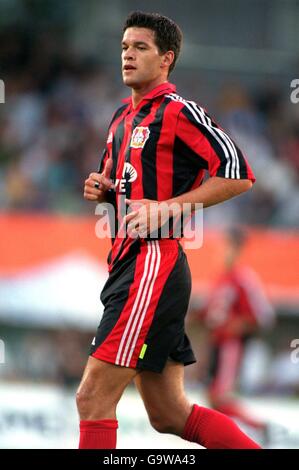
x=119, y=111
x=185, y=107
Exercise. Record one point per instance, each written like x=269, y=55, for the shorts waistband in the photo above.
x=164, y=243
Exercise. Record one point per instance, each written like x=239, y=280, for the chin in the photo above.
x=129, y=82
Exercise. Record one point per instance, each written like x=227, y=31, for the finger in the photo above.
x=92, y=191
x=106, y=182
x=94, y=177
x=134, y=205
x=132, y=231
x=138, y=202
x=90, y=197
x=143, y=233
x=131, y=216
x=142, y=230
x=101, y=179
x=93, y=185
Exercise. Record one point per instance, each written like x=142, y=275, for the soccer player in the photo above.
x=236, y=310
x=158, y=147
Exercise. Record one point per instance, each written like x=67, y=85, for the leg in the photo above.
x=170, y=411
x=138, y=315
x=164, y=398
x=101, y=388
x=221, y=393
x=99, y=392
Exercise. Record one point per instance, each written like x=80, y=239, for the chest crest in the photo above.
x=139, y=137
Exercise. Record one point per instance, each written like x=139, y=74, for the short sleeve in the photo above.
x=215, y=149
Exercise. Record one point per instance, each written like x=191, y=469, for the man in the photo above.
x=158, y=147
x=236, y=310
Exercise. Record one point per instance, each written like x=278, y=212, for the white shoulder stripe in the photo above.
x=227, y=141
x=232, y=168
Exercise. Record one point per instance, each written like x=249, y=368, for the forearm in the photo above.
x=213, y=191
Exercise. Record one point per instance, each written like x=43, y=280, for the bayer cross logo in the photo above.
x=139, y=137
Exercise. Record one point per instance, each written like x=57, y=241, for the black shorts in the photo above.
x=145, y=302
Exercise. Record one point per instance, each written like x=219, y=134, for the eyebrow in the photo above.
x=136, y=43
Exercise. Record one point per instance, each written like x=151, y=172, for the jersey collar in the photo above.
x=155, y=92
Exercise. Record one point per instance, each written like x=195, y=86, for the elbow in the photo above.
x=248, y=185
x=245, y=185
x=238, y=187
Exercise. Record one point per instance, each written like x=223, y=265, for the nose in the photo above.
x=128, y=54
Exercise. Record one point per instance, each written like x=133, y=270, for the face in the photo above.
x=142, y=64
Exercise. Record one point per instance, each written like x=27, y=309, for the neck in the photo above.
x=139, y=93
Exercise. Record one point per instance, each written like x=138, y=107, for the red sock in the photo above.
x=98, y=434
x=214, y=430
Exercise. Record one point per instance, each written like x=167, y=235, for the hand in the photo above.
x=145, y=216
x=102, y=181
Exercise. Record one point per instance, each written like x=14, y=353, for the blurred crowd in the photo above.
x=53, y=128
x=56, y=356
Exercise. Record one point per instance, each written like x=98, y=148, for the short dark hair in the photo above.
x=168, y=36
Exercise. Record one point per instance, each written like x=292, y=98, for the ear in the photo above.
x=167, y=59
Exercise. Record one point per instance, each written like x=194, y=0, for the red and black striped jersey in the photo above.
x=237, y=295
x=161, y=150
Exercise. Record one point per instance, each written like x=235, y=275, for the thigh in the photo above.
x=104, y=382
x=164, y=395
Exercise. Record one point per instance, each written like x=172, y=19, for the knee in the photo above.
x=163, y=424
x=91, y=394
x=170, y=420
x=84, y=397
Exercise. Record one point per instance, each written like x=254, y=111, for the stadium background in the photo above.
x=60, y=65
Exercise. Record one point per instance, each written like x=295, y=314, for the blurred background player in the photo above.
x=58, y=104
x=236, y=311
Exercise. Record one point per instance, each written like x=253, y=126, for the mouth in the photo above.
x=128, y=67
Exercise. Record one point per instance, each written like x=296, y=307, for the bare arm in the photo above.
x=214, y=191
